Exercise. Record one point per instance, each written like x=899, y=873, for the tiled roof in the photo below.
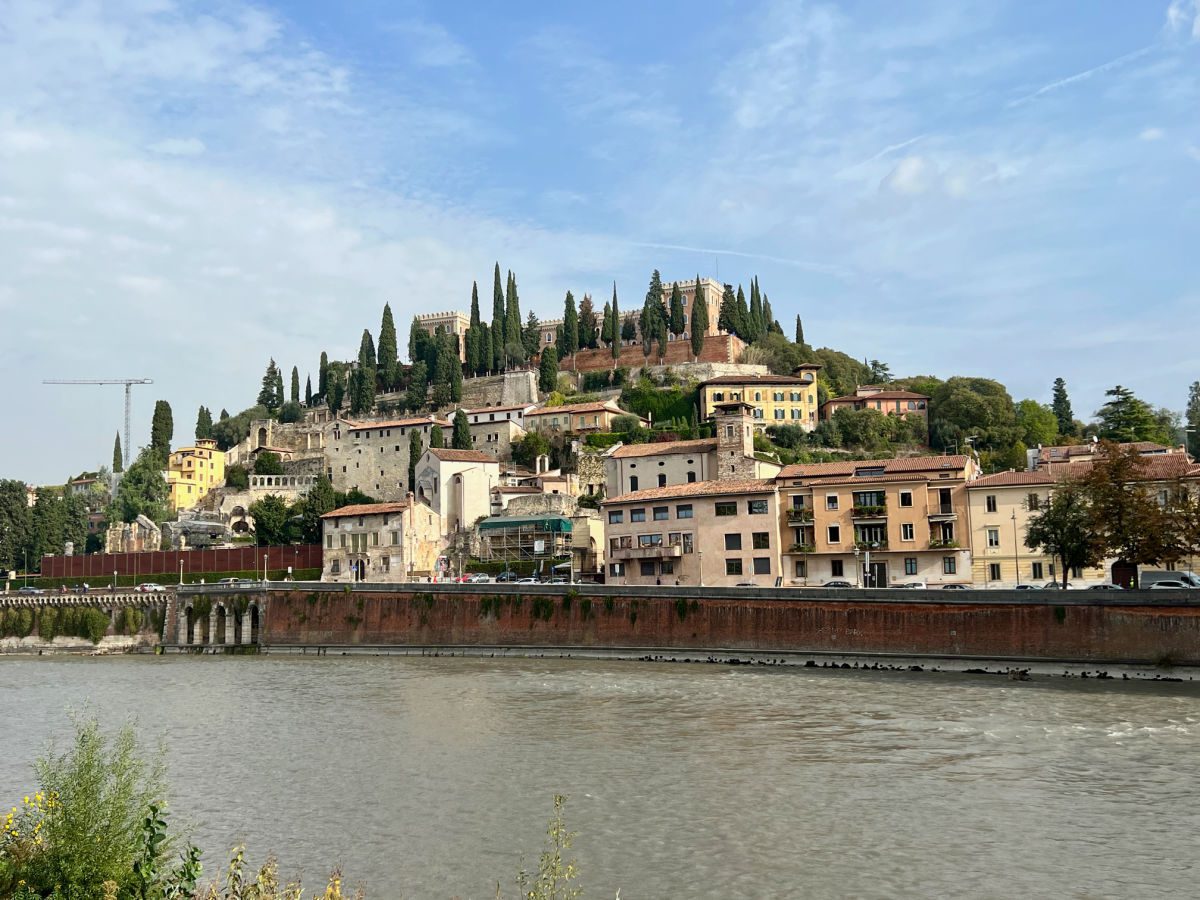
x=366, y=509
x=760, y=379
x=1166, y=467
x=879, y=395
x=1066, y=451
x=846, y=468
x=503, y=489
x=494, y=409
x=396, y=423
x=446, y=454
x=1009, y=479
x=598, y=406
x=702, y=445
x=698, y=489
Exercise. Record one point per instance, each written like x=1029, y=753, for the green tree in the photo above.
x=570, y=338
x=978, y=408
x=531, y=334
x=118, y=462
x=799, y=332
x=512, y=324
x=323, y=376
x=308, y=394
x=387, y=354
x=1062, y=529
x=1037, y=422
x=589, y=332
x=755, y=326
x=628, y=330
x=414, y=398
x=362, y=380
x=204, y=424
x=1061, y=406
x=675, y=310
x=617, y=327
x=548, y=371
x=237, y=477
x=745, y=327
x=699, y=324
x=727, y=320
x=15, y=523
x=474, y=334
x=1127, y=519
x=771, y=326
x=1193, y=420
x=337, y=388
x=162, y=428
x=414, y=453
x=418, y=339
x=498, y=323
x=461, y=439
x=444, y=369
x=530, y=447
x=271, y=517
x=437, y=439
x=142, y=491
x=268, y=395
x=1125, y=418
x=319, y=500
x=881, y=372
x=268, y=463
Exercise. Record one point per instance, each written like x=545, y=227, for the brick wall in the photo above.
x=166, y=562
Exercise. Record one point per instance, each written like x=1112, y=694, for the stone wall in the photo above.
x=499, y=390
x=1142, y=628
x=718, y=348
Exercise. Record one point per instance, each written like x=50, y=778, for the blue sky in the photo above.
x=1003, y=189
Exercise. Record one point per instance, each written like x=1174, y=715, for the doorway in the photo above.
x=877, y=575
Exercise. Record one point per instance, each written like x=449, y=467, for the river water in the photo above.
x=431, y=777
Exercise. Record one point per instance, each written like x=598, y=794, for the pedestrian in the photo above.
x=658, y=580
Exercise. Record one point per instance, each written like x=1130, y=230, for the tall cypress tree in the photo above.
x=548, y=371
x=743, y=328
x=414, y=453
x=418, y=385
x=799, y=332
x=279, y=387
x=437, y=440
x=308, y=395
x=204, y=424
x=616, y=317
x=461, y=439
x=769, y=323
x=118, y=462
x=295, y=397
x=727, y=318
x=162, y=428
x=387, y=358
x=473, y=332
x=1061, y=405
x=675, y=314
x=497, y=324
x=570, y=327
x=512, y=322
x=323, y=375
x=606, y=329
x=756, y=322
x=588, y=331
x=267, y=395
x=485, y=349
x=699, y=324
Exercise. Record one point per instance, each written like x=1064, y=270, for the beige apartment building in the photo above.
x=380, y=542
x=880, y=398
x=373, y=456
x=877, y=522
x=576, y=417
x=457, y=484
x=773, y=399
x=706, y=533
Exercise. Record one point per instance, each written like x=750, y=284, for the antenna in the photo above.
x=128, y=382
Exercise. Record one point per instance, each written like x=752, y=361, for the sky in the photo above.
x=993, y=188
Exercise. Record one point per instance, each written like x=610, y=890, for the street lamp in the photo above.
x=1016, y=548
x=857, y=569
x=26, y=567
x=181, y=571
x=700, y=557
x=114, y=581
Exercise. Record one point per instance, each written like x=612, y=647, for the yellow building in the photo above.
x=776, y=399
x=194, y=471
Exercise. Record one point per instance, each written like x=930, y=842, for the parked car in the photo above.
x=30, y=589
x=1107, y=586
x=1171, y=585
x=911, y=585
x=476, y=578
x=1147, y=577
x=837, y=584
x=1026, y=587
x=956, y=587
x=149, y=587
x=228, y=581
x=247, y=581
x=506, y=576
x=529, y=579
x=1057, y=586
x=557, y=579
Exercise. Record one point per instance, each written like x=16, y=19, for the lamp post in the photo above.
x=700, y=557
x=181, y=571
x=1016, y=548
x=26, y=567
x=857, y=569
x=114, y=581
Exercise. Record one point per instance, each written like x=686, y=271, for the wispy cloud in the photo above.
x=1061, y=83
x=430, y=44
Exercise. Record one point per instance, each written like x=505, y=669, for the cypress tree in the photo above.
x=367, y=347
x=387, y=359
x=323, y=375
x=654, y=324
x=295, y=396
x=799, y=332
x=531, y=336
x=443, y=371
x=473, y=343
x=616, y=326
x=675, y=315
x=1061, y=405
x=743, y=327
x=308, y=395
x=414, y=453
x=414, y=399
x=727, y=318
x=162, y=428
x=485, y=349
x=606, y=330
x=118, y=462
x=437, y=440
x=699, y=324
x=588, y=332
x=462, y=432
x=769, y=323
x=512, y=321
x=570, y=327
x=756, y=322
x=204, y=424
x=548, y=371
x=497, y=324
x=267, y=395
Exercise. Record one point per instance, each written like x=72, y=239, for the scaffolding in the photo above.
x=513, y=538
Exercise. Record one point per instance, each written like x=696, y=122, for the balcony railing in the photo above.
x=870, y=545
x=943, y=545
x=798, y=516
x=802, y=548
x=944, y=509
x=660, y=551
x=868, y=512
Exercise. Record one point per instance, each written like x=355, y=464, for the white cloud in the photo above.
x=912, y=175
x=1060, y=83
x=1152, y=134
x=178, y=147
x=1183, y=17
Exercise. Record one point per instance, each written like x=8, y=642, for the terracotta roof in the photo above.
x=1166, y=467
x=492, y=409
x=1066, y=451
x=1009, y=479
x=698, y=489
x=398, y=423
x=598, y=406
x=519, y=489
x=446, y=454
x=366, y=509
x=879, y=395
x=701, y=445
x=846, y=468
x=759, y=379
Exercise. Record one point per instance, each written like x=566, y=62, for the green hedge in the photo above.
x=167, y=580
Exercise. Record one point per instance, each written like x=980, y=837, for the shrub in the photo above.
x=47, y=623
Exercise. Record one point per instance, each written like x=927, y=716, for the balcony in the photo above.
x=799, y=516
x=870, y=545
x=943, y=545
x=802, y=548
x=868, y=512
x=662, y=551
x=943, y=513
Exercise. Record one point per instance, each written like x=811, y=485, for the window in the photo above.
x=667, y=567
x=835, y=534
x=661, y=513
x=329, y=542
x=733, y=542
x=993, y=571
x=835, y=568
x=762, y=565
x=662, y=480
x=1076, y=572
x=1033, y=501
x=758, y=396
x=335, y=568
x=637, y=515
x=990, y=502
x=906, y=531
x=797, y=501
x=781, y=413
x=718, y=395
x=801, y=568
x=726, y=508
x=691, y=477
x=1038, y=574
x=906, y=498
x=795, y=396
x=633, y=483
x=777, y=396
x=343, y=541
x=949, y=565
x=993, y=537
x=646, y=567
x=688, y=544
x=649, y=540
x=761, y=540
x=733, y=567
x=831, y=501
x=616, y=517
x=910, y=565
x=684, y=511
x=756, y=507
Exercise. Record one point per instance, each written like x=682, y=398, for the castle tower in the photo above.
x=735, y=440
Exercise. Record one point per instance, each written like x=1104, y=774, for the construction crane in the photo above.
x=128, y=382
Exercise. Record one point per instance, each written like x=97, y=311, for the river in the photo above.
x=430, y=777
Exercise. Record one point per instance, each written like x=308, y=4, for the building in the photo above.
x=494, y=429
x=194, y=471
x=889, y=402
x=878, y=522
x=380, y=542
x=774, y=399
x=457, y=484
x=1039, y=456
x=707, y=533
x=451, y=322
x=373, y=456
x=596, y=416
x=549, y=332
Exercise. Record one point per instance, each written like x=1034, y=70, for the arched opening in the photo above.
x=219, y=636
x=254, y=623
x=262, y=437
x=238, y=511
x=191, y=626
x=241, y=526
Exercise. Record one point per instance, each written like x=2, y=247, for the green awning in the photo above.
x=556, y=524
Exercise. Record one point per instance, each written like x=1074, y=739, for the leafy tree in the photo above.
x=1126, y=518
x=461, y=439
x=118, y=463
x=323, y=376
x=204, y=424
x=530, y=447
x=437, y=439
x=15, y=522
x=1037, y=422
x=570, y=327
x=881, y=372
x=675, y=310
x=1193, y=419
x=1062, y=528
x=799, y=332
x=779, y=354
x=387, y=356
x=727, y=320
x=295, y=393
x=414, y=453
x=337, y=388
x=699, y=324
x=589, y=335
x=548, y=371
x=1170, y=424
x=531, y=336
x=498, y=323
x=1061, y=406
x=618, y=330
x=269, y=396
x=142, y=491
x=973, y=407
x=162, y=428
x=271, y=517
x=268, y=463
x=319, y=500
x=1125, y=418
x=291, y=412
x=231, y=430
x=414, y=399
x=237, y=477
x=628, y=330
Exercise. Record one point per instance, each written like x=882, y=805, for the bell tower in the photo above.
x=735, y=440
